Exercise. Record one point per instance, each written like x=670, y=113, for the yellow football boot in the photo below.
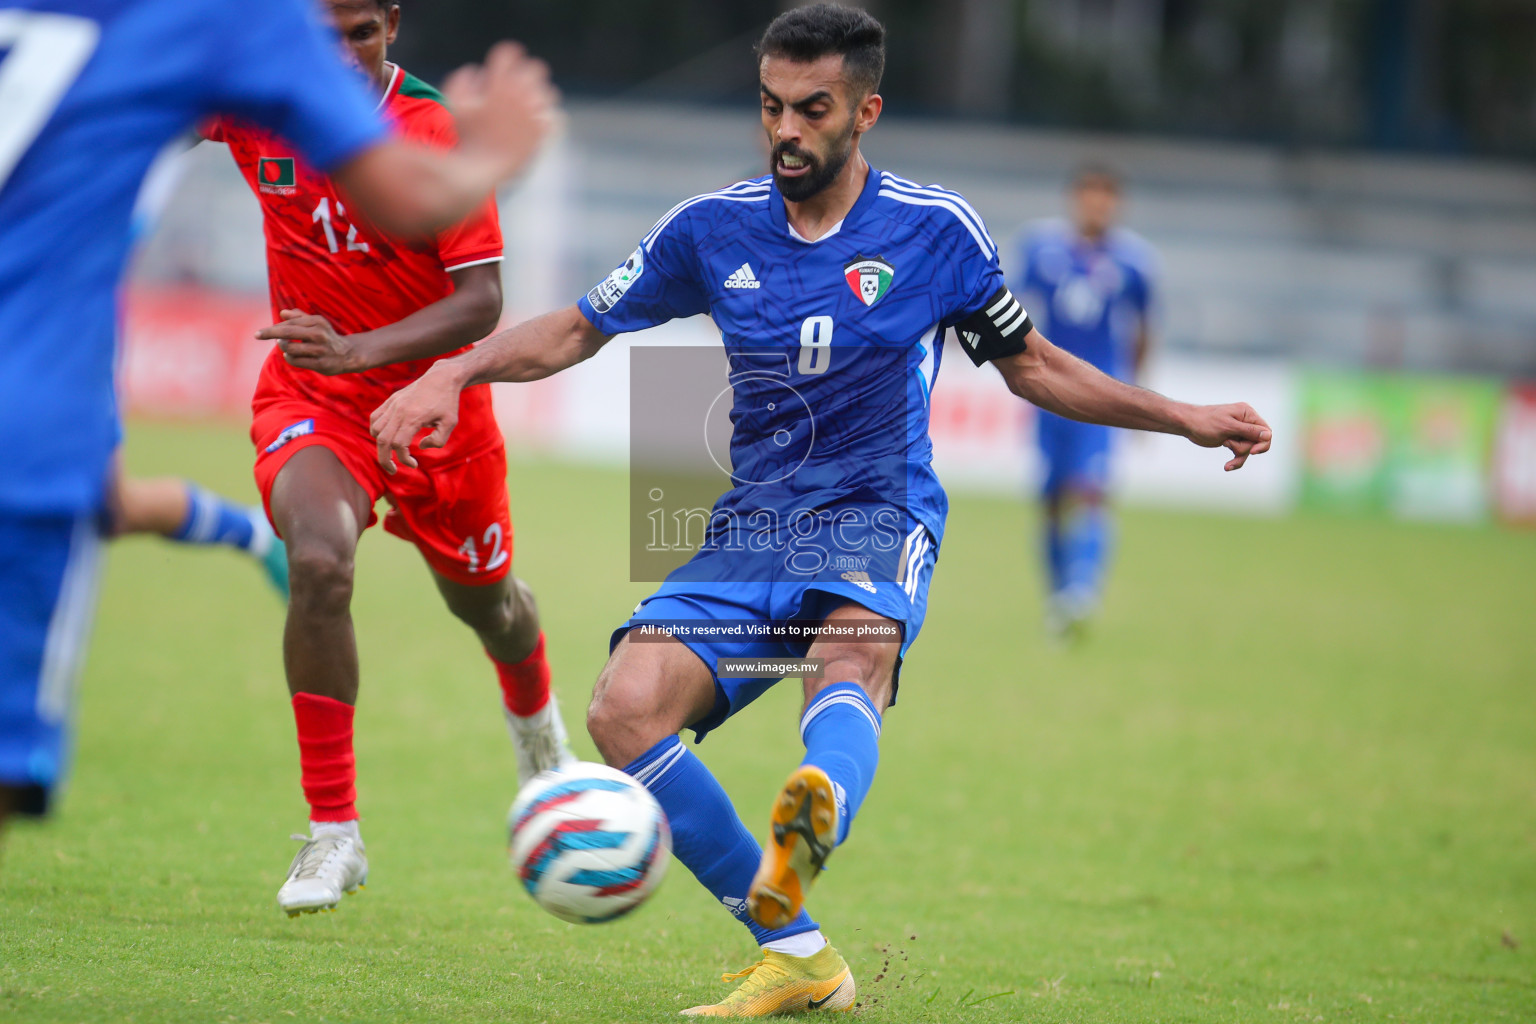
x=804, y=833
x=780, y=983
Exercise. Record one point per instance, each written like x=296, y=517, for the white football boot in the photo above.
x=541, y=742
x=328, y=866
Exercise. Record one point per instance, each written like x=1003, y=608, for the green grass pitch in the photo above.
x=1290, y=777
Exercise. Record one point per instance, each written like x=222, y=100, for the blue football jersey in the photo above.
x=1087, y=298
x=833, y=345
x=90, y=92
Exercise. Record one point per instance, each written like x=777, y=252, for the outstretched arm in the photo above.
x=1065, y=385
x=532, y=350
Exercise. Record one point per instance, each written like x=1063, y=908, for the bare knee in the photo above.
x=502, y=615
x=319, y=577
x=623, y=722
x=647, y=692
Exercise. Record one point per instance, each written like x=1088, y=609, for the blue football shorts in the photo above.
x=1075, y=455
x=48, y=573
x=729, y=588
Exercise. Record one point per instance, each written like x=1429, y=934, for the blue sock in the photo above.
x=707, y=834
x=215, y=520
x=1086, y=546
x=841, y=731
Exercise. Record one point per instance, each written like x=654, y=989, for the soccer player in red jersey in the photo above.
x=362, y=313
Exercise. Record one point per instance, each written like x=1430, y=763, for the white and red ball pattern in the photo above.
x=589, y=843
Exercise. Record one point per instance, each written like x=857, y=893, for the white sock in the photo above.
x=539, y=717
x=261, y=533
x=804, y=944
x=346, y=828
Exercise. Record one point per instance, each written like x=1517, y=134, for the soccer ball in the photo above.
x=589, y=842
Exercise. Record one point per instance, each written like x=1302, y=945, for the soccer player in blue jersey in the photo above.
x=834, y=282
x=1091, y=285
x=90, y=92
x=180, y=510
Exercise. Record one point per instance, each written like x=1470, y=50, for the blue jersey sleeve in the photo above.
x=1023, y=267
x=991, y=323
x=279, y=68
x=976, y=276
x=659, y=282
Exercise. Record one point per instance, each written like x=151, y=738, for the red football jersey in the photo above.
x=324, y=258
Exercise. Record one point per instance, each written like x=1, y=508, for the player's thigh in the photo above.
x=876, y=620
x=645, y=693
x=852, y=646
x=1060, y=460
x=48, y=573
x=318, y=507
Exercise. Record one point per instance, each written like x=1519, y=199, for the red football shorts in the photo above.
x=453, y=506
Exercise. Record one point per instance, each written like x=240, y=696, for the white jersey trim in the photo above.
x=389, y=90
x=914, y=566
x=797, y=236
x=473, y=263
x=741, y=192
x=893, y=187
x=926, y=364
x=70, y=624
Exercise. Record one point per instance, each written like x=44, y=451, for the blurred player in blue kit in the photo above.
x=91, y=91
x=1091, y=285
x=832, y=284
x=180, y=510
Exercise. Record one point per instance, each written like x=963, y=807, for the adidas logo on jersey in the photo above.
x=743, y=278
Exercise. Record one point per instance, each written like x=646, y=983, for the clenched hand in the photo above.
x=1235, y=427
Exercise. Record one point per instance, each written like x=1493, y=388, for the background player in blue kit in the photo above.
x=1090, y=285
x=857, y=274
x=91, y=90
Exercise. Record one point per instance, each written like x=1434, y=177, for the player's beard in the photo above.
x=823, y=170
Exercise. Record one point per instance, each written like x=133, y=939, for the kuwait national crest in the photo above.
x=869, y=278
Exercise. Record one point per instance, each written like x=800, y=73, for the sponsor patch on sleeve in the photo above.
x=611, y=289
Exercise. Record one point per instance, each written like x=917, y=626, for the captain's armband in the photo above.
x=995, y=330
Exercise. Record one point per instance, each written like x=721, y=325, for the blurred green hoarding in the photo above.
x=1415, y=447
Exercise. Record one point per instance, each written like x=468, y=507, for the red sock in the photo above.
x=525, y=686
x=327, y=768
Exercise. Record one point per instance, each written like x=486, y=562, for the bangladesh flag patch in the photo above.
x=869, y=278
x=275, y=172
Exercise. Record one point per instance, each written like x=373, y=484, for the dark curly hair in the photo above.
x=807, y=33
